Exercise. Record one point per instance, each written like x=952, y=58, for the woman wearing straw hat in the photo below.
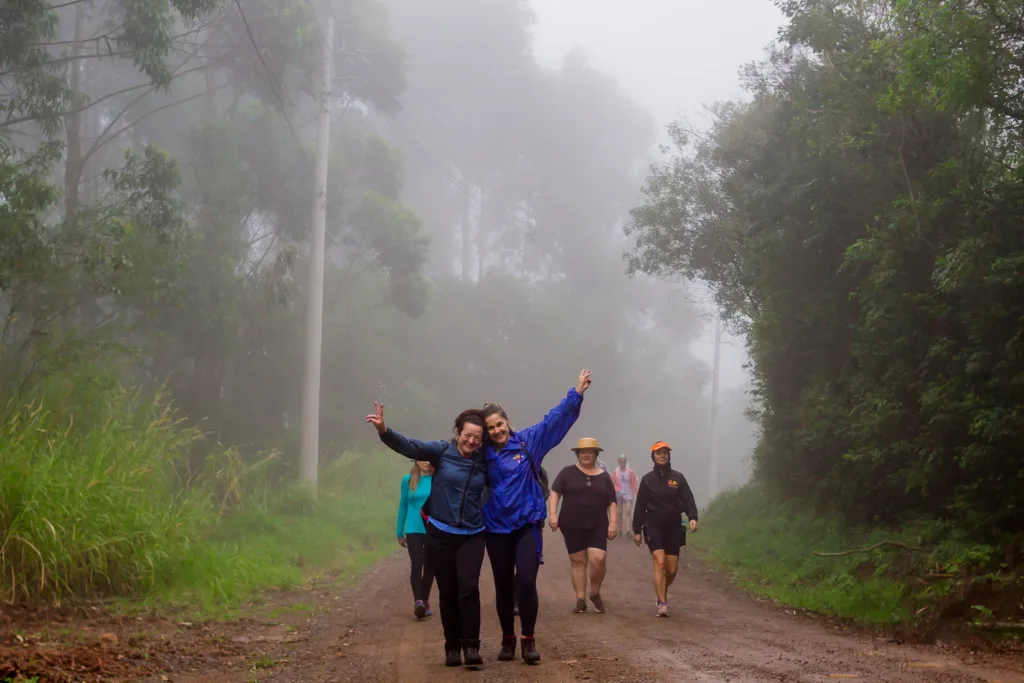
x=663, y=497
x=587, y=520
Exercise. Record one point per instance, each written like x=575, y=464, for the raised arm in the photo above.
x=542, y=437
x=431, y=451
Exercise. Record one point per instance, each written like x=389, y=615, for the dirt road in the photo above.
x=366, y=632
x=715, y=635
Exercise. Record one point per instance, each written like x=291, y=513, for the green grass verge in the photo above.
x=94, y=503
x=768, y=548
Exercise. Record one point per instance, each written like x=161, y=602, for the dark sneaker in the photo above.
x=581, y=606
x=452, y=658
x=508, y=649
x=420, y=609
x=473, y=657
x=598, y=603
x=529, y=649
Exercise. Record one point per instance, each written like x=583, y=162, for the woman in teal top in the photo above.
x=412, y=535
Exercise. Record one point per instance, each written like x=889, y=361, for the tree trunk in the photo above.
x=73, y=125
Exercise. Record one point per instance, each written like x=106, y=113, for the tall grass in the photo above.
x=769, y=548
x=93, y=503
x=912, y=577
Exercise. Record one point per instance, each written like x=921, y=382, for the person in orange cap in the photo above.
x=587, y=520
x=663, y=497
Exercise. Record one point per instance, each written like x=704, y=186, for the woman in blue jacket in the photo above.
x=454, y=524
x=412, y=535
x=516, y=511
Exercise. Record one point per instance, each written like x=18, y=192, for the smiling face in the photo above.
x=587, y=457
x=498, y=429
x=470, y=438
x=661, y=456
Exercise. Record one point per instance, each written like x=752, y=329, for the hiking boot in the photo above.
x=581, y=606
x=427, y=612
x=508, y=649
x=420, y=609
x=662, y=609
x=529, y=649
x=473, y=657
x=452, y=658
x=598, y=603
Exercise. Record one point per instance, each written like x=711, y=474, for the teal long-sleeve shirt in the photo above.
x=409, y=520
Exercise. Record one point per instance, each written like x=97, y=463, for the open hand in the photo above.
x=613, y=532
x=584, y=381
x=377, y=419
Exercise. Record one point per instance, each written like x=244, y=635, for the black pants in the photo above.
x=456, y=562
x=422, y=576
x=515, y=560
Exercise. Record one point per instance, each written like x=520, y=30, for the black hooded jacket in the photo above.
x=663, y=497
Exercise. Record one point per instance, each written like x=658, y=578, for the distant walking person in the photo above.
x=663, y=497
x=454, y=524
x=587, y=520
x=626, y=485
x=412, y=535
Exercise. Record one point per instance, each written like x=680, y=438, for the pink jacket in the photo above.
x=634, y=484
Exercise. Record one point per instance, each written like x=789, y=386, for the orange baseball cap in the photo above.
x=658, y=446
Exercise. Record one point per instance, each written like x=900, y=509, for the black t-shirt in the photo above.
x=585, y=498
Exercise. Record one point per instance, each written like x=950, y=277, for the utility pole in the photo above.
x=309, y=453
x=713, y=484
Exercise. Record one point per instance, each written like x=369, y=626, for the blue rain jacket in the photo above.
x=516, y=499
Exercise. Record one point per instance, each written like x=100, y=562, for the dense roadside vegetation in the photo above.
x=97, y=501
x=155, y=188
x=860, y=221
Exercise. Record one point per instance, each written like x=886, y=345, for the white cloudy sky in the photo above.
x=671, y=56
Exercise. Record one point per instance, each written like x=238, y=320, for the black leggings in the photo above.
x=456, y=561
x=421, y=577
x=515, y=560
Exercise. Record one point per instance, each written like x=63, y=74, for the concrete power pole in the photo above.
x=309, y=453
x=713, y=483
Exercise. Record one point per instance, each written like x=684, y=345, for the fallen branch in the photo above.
x=876, y=546
x=1001, y=626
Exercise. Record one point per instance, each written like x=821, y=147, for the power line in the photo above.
x=270, y=82
x=459, y=183
x=464, y=172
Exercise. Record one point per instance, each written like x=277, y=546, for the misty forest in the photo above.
x=493, y=225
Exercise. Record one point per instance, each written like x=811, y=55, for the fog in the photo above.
x=484, y=158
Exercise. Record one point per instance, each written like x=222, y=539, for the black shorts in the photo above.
x=578, y=540
x=669, y=537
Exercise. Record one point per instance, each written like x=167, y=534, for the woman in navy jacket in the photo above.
x=454, y=523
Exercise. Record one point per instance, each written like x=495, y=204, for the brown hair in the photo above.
x=492, y=408
x=471, y=416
